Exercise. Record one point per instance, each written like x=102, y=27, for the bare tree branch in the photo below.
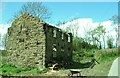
x=36, y=9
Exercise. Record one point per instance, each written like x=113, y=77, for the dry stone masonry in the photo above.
x=34, y=43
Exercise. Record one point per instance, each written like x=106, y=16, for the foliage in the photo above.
x=60, y=23
x=3, y=53
x=96, y=34
x=102, y=55
x=3, y=40
x=110, y=42
x=76, y=56
x=116, y=21
x=4, y=60
x=108, y=55
x=80, y=43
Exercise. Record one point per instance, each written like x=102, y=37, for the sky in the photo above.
x=88, y=13
x=65, y=11
x=60, y=0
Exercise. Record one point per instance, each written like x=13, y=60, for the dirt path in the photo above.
x=114, y=68
x=97, y=70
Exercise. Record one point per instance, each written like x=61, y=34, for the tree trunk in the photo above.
x=104, y=41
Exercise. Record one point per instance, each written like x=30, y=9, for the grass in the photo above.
x=11, y=69
x=106, y=58
x=107, y=55
x=97, y=70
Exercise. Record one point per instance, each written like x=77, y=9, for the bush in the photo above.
x=76, y=57
x=4, y=60
x=110, y=42
x=107, y=54
x=3, y=53
x=80, y=43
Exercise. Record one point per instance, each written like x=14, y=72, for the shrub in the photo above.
x=110, y=42
x=3, y=53
x=80, y=43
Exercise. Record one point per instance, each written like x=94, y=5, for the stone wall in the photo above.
x=26, y=42
x=58, y=45
x=34, y=43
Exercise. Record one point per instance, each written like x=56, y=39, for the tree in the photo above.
x=4, y=41
x=116, y=25
x=102, y=32
x=110, y=42
x=87, y=34
x=96, y=35
x=73, y=28
x=36, y=9
x=60, y=23
x=0, y=40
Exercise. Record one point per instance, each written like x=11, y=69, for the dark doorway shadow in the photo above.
x=77, y=65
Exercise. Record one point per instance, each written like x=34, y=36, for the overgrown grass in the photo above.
x=10, y=69
x=13, y=70
x=82, y=55
x=104, y=57
x=107, y=55
x=6, y=68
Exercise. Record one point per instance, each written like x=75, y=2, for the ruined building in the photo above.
x=34, y=43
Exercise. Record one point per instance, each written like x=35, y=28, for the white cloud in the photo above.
x=3, y=30
x=108, y=25
x=86, y=24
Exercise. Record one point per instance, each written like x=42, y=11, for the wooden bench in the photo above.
x=74, y=72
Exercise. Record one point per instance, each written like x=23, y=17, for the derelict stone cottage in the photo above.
x=34, y=43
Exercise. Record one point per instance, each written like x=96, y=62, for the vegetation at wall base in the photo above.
x=10, y=69
x=104, y=56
